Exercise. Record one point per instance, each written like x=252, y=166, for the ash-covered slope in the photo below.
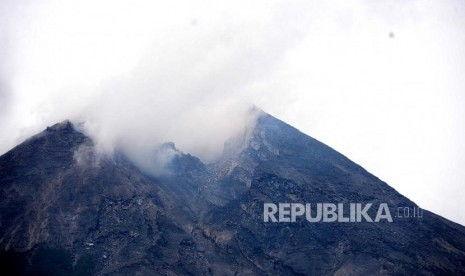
x=64, y=210
x=281, y=165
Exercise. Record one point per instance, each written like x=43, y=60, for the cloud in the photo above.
x=145, y=73
x=190, y=86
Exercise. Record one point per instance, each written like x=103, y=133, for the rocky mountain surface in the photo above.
x=66, y=211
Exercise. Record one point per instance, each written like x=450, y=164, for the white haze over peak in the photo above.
x=145, y=72
x=381, y=81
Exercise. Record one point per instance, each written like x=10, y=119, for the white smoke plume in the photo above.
x=143, y=73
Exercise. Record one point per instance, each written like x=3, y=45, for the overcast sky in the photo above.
x=382, y=82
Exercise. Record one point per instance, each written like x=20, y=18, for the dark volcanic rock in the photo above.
x=65, y=210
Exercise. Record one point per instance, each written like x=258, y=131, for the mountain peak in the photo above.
x=64, y=125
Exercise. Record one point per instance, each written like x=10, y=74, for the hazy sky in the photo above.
x=383, y=82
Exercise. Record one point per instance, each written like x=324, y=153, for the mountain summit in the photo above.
x=64, y=210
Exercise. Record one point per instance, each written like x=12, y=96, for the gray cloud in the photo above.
x=191, y=90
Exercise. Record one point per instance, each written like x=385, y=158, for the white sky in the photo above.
x=393, y=104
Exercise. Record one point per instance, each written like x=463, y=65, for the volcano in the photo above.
x=66, y=210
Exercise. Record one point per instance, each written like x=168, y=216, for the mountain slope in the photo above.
x=66, y=210
x=289, y=166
